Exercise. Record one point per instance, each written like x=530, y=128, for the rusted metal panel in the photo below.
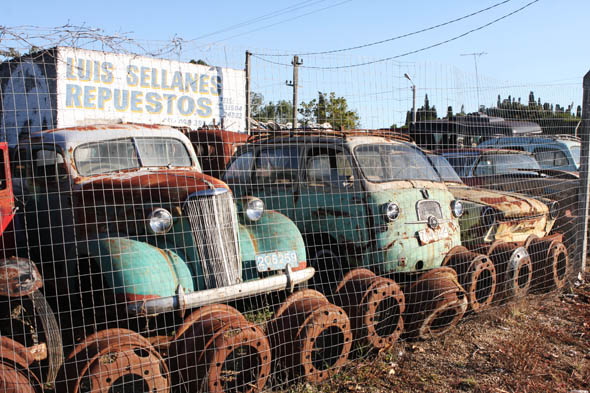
x=19, y=277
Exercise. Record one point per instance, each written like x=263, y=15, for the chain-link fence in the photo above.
x=171, y=223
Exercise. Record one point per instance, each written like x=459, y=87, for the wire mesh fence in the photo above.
x=171, y=223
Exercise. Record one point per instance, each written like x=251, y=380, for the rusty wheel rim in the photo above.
x=519, y=273
x=15, y=376
x=383, y=305
x=299, y=331
x=436, y=303
x=559, y=265
x=326, y=342
x=111, y=360
x=296, y=297
x=482, y=283
x=220, y=348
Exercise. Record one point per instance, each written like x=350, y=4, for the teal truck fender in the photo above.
x=137, y=270
x=155, y=281
x=273, y=232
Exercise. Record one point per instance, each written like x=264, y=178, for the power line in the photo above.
x=410, y=52
x=392, y=38
x=270, y=15
x=281, y=21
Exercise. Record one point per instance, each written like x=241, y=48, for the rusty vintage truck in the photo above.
x=363, y=199
x=130, y=234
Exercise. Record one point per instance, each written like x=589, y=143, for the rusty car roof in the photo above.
x=98, y=132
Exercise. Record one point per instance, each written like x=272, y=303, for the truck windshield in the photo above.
x=128, y=153
x=391, y=162
x=444, y=169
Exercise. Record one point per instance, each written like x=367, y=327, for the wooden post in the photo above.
x=584, y=191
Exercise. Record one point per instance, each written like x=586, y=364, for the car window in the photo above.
x=157, y=152
x=575, y=150
x=328, y=167
x=444, y=169
x=105, y=156
x=120, y=154
x=484, y=167
x=390, y=162
x=239, y=170
x=550, y=158
x=277, y=165
x=49, y=164
x=461, y=163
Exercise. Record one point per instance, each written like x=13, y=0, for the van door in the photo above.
x=331, y=205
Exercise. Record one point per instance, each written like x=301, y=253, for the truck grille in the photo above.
x=427, y=208
x=212, y=218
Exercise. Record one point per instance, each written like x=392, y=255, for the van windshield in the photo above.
x=389, y=162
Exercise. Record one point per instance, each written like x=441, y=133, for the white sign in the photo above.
x=100, y=87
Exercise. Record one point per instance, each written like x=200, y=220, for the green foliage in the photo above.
x=199, y=62
x=331, y=109
x=425, y=112
x=552, y=118
x=281, y=112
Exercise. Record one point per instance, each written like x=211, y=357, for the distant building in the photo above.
x=466, y=130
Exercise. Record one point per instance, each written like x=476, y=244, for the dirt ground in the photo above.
x=538, y=344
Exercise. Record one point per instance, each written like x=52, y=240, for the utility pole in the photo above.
x=475, y=57
x=294, y=83
x=248, y=103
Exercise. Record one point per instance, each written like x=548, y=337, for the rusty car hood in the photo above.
x=164, y=185
x=510, y=204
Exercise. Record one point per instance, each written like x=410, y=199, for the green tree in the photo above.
x=281, y=112
x=331, y=109
x=199, y=62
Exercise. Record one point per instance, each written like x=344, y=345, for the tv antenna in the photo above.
x=476, y=55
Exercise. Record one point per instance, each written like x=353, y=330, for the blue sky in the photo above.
x=542, y=45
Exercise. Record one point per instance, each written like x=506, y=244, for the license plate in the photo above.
x=428, y=235
x=276, y=260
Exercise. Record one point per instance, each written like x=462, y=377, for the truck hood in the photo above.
x=160, y=185
x=510, y=204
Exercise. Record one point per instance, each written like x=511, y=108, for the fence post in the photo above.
x=247, y=87
x=584, y=191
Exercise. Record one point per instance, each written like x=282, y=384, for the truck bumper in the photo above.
x=183, y=301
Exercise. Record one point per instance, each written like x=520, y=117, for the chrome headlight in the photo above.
x=488, y=217
x=554, y=210
x=254, y=209
x=457, y=208
x=391, y=211
x=160, y=220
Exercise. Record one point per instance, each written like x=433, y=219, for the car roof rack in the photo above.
x=264, y=134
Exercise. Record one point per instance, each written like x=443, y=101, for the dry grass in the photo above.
x=539, y=344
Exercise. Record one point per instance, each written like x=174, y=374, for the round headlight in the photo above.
x=457, y=208
x=160, y=220
x=391, y=211
x=488, y=217
x=254, y=209
x=554, y=210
